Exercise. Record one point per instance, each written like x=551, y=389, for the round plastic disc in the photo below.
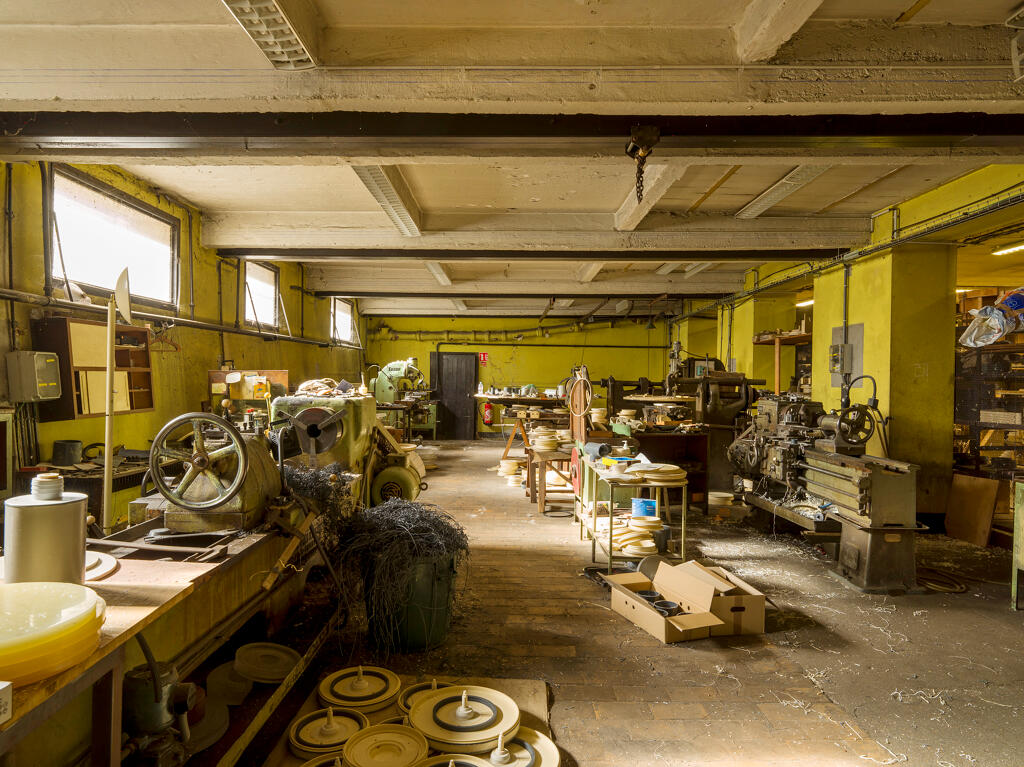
x=265, y=662
x=465, y=718
x=411, y=694
x=385, y=745
x=459, y=760
x=324, y=731
x=363, y=688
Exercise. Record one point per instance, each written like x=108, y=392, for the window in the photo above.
x=341, y=321
x=99, y=231
x=261, y=295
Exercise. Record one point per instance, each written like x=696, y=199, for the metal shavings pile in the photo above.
x=385, y=544
x=330, y=488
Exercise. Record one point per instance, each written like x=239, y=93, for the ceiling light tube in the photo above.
x=1017, y=246
x=801, y=304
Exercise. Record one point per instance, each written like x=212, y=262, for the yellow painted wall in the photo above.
x=698, y=336
x=532, y=357
x=750, y=317
x=179, y=377
x=905, y=300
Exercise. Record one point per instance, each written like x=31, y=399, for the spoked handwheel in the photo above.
x=856, y=424
x=223, y=466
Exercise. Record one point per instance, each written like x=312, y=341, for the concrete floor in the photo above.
x=840, y=678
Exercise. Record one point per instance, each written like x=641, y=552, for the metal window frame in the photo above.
x=246, y=305
x=120, y=196
x=353, y=339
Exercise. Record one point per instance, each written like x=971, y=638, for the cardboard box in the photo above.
x=693, y=595
x=739, y=605
x=6, y=701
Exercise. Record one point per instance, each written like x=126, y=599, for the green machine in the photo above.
x=345, y=430
x=402, y=382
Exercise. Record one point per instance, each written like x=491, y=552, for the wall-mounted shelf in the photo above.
x=81, y=347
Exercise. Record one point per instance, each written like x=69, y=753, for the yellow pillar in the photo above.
x=753, y=316
x=905, y=300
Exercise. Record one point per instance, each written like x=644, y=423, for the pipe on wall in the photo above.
x=59, y=303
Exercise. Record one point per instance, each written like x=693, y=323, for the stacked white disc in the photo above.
x=362, y=689
x=598, y=414
x=627, y=414
x=468, y=719
x=385, y=745
x=657, y=472
x=544, y=439
x=510, y=468
x=324, y=732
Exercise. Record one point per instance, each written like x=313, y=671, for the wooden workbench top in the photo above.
x=138, y=593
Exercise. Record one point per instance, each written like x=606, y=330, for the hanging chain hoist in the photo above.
x=642, y=139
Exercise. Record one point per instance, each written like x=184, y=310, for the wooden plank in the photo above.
x=970, y=507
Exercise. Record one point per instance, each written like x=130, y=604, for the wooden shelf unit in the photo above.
x=81, y=347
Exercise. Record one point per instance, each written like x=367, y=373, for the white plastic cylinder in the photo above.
x=44, y=533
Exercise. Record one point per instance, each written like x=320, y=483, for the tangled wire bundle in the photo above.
x=386, y=544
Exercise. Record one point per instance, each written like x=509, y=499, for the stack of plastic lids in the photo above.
x=46, y=628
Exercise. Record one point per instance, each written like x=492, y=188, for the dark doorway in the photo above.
x=453, y=376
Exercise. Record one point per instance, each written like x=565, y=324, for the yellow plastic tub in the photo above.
x=46, y=628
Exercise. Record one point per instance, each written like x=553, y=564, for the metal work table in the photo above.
x=137, y=594
x=592, y=477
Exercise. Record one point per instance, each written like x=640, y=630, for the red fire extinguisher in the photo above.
x=488, y=413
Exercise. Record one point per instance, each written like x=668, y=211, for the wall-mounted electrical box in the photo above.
x=840, y=358
x=33, y=376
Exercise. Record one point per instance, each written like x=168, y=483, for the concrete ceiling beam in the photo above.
x=723, y=89
x=588, y=272
x=459, y=304
x=388, y=187
x=263, y=229
x=796, y=179
x=439, y=273
x=385, y=256
x=658, y=179
x=766, y=24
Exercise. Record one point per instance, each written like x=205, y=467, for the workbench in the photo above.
x=198, y=607
x=536, y=476
x=519, y=425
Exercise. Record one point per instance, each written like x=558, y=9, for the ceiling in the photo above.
x=538, y=56
x=485, y=173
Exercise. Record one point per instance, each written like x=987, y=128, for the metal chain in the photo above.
x=641, y=161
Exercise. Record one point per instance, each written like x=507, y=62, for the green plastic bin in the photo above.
x=422, y=623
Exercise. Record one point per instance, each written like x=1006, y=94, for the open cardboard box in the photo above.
x=693, y=595
x=739, y=605
x=714, y=602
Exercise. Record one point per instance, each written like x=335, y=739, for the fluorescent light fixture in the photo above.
x=270, y=28
x=377, y=183
x=801, y=304
x=1017, y=246
x=797, y=178
x=963, y=290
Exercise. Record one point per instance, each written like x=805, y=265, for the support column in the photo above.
x=899, y=309
x=756, y=315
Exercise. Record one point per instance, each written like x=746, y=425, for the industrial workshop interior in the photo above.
x=555, y=383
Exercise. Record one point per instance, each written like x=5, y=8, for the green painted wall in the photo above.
x=532, y=356
x=180, y=377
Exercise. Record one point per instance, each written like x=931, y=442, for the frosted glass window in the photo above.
x=342, y=321
x=261, y=295
x=100, y=236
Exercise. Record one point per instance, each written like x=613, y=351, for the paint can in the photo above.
x=44, y=533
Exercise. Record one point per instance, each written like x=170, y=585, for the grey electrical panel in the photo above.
x=33, y=376
x=846, y=355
